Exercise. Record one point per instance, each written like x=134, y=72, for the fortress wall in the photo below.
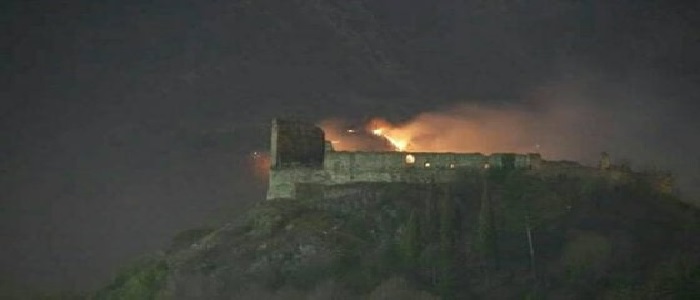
x=301, y=157
x=340, y=184
x=523, y=161
x=282, y=183
x=470, y=160
x=355, y=167
x=448, y=160
x=339, y=161
x=352, y=167
x=441, y=160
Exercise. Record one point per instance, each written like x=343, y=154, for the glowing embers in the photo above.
x=410, y=159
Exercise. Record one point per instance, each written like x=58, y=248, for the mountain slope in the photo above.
x=491, y=235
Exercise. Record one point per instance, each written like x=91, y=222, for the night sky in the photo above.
x=124, y=122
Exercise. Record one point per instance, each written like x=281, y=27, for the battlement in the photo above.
x=301, y=156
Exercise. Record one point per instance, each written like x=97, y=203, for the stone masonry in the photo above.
x=301, y=156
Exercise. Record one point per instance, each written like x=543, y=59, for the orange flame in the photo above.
x=398, y=138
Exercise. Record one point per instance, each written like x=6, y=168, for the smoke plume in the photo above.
x=561, y=122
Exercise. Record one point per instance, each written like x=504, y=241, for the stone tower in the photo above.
x=296, y=144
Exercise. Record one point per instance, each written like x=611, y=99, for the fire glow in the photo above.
x=557, y=129
x=547, y=129
x=398, y=139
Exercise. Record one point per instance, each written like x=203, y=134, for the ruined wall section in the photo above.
x=341, y=168
x=296, y=144
x=305, y=165
x=283, y=182
x=352, y=167
x=296, y=155
x=392, y=161
x=301, y=156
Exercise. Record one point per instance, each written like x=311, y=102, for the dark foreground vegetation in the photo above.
x=501, y=234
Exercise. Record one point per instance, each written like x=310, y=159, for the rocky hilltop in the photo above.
x=492, y=234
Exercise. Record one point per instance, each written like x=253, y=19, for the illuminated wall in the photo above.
x=300, y=156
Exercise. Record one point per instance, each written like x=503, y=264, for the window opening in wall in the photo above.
x=452, y=166
x=486, y=166
x=427, y=164
x=410, y=159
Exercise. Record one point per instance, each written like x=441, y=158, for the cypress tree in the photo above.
x=486, y=233
x=447, y=261
x=409, y=242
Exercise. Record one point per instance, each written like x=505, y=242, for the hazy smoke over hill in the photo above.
x=561, y=122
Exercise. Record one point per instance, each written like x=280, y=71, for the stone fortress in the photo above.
x=301, y=157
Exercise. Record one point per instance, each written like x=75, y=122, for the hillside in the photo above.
x=496, y=234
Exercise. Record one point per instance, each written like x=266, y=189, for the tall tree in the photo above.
x=448, y=253
x=410, y=243
x=486, y=231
